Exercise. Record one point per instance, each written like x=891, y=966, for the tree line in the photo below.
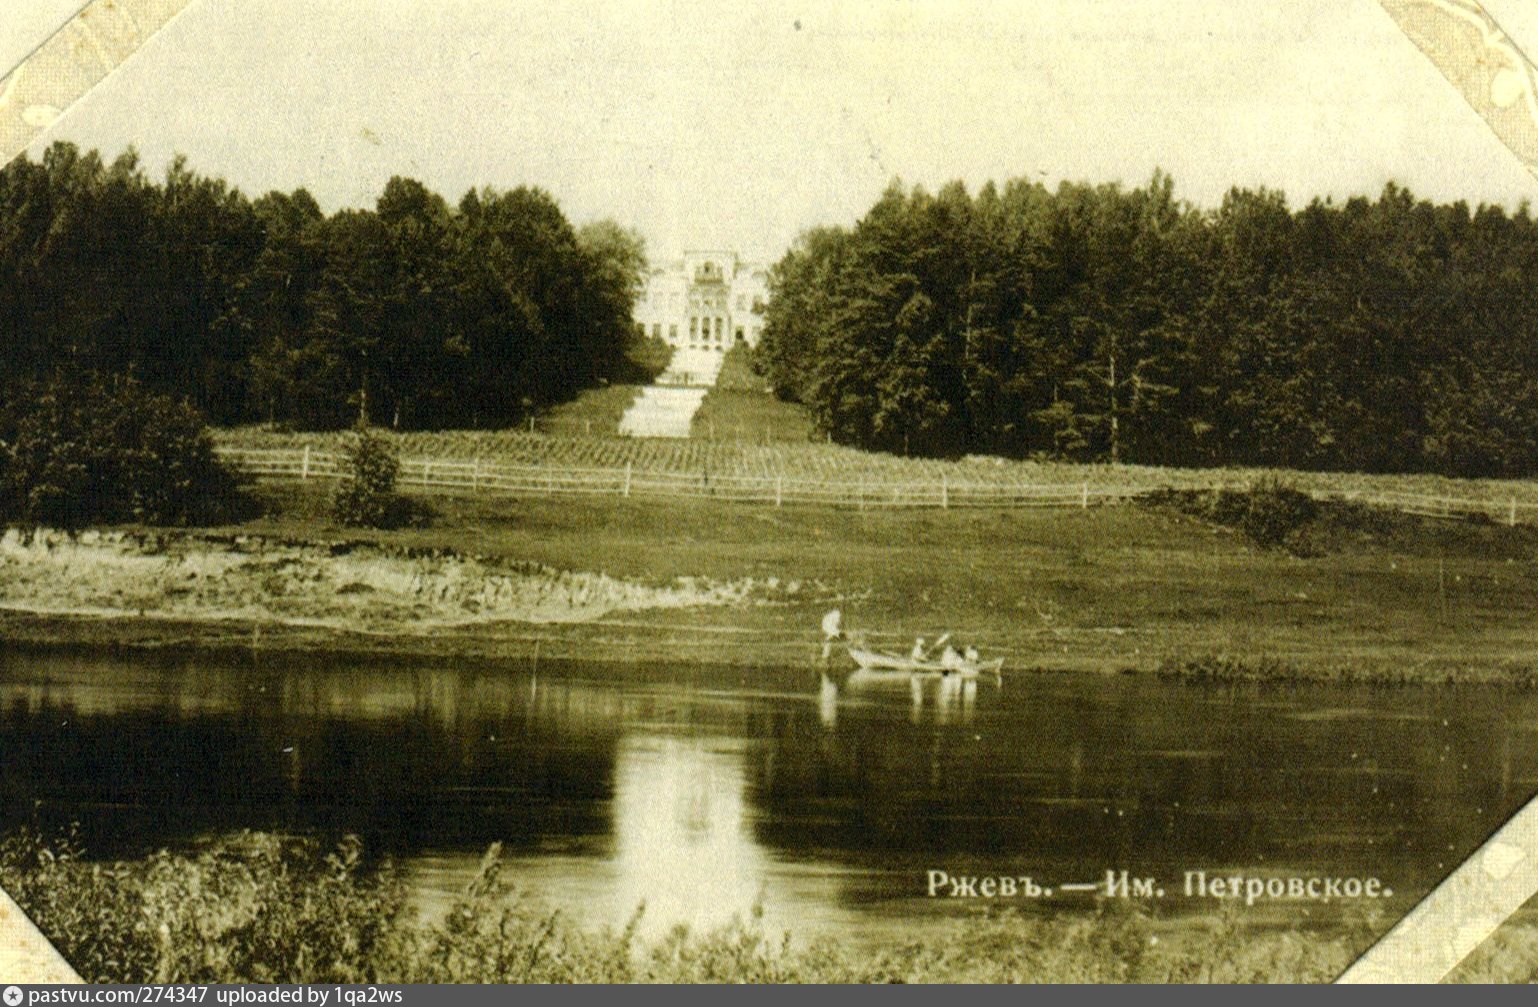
x=414, y=313
x=1098, y=323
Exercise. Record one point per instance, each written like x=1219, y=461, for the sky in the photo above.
x=727, y=124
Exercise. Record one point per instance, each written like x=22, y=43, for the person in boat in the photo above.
x=971, y=655
x=920, y=652
x=950, y=658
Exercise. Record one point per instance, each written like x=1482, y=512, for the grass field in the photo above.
x=750, y=418
x=741, y=410
x=1135, y=588
x=800, y=460
x=743, y=430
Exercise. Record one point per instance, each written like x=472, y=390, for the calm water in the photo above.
x=700, y=791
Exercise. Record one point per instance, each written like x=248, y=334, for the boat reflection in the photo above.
x=954, y=696
x=827, y=703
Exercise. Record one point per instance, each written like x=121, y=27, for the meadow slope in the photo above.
x=1132, y=588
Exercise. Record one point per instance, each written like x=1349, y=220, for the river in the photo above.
x=702, y=791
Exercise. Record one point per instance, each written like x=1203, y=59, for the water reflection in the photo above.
x=827, y=702
x=700, y=791
x=953, y=698
x=683, y=844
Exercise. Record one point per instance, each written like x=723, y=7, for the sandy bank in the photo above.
x=191, y=578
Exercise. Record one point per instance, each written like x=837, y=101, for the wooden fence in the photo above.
x=480, y=476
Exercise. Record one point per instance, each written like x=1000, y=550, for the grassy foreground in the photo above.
x=260, y=908
x=1127, y=588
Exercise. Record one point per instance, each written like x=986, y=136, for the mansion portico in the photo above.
x=707, y=300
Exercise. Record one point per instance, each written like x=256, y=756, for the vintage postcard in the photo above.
x=673, y=490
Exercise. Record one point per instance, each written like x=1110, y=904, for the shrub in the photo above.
x=1269, y=513
x=247, y=908
x=83, y=449
x=367, y=494
x=646, y=357
x=1365, y=519
x=1275, y=513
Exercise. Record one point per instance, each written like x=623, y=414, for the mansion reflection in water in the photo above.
x=700, y=792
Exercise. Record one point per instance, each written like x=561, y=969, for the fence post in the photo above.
x=945, y=492
x=1084, y=497
x=779, y=490
x=627, y=479
x=304, y=467
x=1511, y=516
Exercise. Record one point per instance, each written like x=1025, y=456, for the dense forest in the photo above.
x=416, y=312
x=1093, y=322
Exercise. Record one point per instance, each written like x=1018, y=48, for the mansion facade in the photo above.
x=706, y=300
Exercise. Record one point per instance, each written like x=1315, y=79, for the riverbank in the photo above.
x=261, y=908
x=1116, y=589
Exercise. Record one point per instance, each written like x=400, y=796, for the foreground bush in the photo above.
x=254, y=907
x=251, y=906
x=89, y=449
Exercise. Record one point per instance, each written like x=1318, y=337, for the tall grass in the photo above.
x=261, y=908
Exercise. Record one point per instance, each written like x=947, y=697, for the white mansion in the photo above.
x=707, y=300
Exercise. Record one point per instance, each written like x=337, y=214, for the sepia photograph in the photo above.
x=680, y=491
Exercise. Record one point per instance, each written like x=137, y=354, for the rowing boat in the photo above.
x=875, y=660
